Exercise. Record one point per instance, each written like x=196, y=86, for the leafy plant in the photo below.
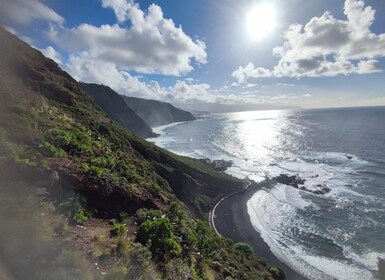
x=119, y=229
x=244, y=248
x=81, y=216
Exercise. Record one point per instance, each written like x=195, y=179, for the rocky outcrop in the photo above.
x=297, y=182
x=157, y=113
x=114, y=105
x=218, y=164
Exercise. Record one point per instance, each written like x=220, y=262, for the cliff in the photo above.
x=114, y=105
x=157, y=113
x=116, y=204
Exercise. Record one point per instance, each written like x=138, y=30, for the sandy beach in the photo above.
x=232, y=221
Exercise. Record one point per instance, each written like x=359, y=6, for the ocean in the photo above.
x=336, y=235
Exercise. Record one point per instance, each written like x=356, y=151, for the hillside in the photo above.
x=84, y=198
x=157, y=113
x=114, y=105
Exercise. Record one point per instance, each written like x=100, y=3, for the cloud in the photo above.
x=94, y=71
x=121, y=8
x=151, y=45
x=243, y=73
x=25, y=11
x=51, y=53
x=186, y=92
x=326, y=46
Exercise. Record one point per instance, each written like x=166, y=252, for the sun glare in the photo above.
x=260, y=21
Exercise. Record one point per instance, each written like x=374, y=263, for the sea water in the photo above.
x=338, y=235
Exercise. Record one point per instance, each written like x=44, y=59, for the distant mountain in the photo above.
x=157, y=113
x=67, y=169
x=114, y=105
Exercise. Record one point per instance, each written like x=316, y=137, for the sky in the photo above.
x=215, y=55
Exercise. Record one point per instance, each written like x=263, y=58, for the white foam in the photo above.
x=261, y=200
x=159, y=129
x=340, y=270
x=266, y=217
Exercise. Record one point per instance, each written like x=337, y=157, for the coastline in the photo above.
x=230, y=219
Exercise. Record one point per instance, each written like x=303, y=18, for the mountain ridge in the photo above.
x=57, y=145
x=114, y=105
x=157, y=113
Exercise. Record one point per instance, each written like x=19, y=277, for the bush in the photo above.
x=244, y=248
x=122, y=216
x=119, y=229
x=276, y=272
x=122, y=247
x=81, y=216
x=160, y=234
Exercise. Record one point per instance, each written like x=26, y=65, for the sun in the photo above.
x=261, y=21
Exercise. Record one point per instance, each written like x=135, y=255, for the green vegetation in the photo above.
x=244, y=248
x=119, y=229
x=176, y=237
x=81, y=216
x=92, y=170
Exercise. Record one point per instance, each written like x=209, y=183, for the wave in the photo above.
x=336, y=235
x=267, y=216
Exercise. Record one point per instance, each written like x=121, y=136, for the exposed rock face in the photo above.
x=114, y=105
x=293, y=180
x=218, y=164
x=157, y=113
x=297, y=182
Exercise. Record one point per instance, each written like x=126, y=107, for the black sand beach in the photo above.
x=232, y=221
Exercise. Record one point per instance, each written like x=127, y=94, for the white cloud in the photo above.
x=94, y=71
x=250, y=85
x=326, y=46
x=243, y=73
x=51, y=53
x=189, y=80
x=25, y=11
x=152, y=44
x=184, y=92
x=121, y=8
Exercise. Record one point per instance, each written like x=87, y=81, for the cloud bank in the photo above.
x=25, y=11
x=151, y=45
x=326, y=46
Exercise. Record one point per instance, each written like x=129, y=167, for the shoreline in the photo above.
x=229, y=218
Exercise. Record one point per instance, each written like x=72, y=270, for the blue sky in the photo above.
x=201, y=53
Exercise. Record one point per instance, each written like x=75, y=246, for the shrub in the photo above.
x=119, y=229
x=122, y=216
x=81, y=216
x=276, y=272
x=122, y=247
x=244, y=248
x=160, y=234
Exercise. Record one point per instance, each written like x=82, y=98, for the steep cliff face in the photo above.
x=114, y=105
x=157, y=113
x=54, y=125
x=54, y=139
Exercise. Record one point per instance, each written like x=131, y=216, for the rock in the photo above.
x=218, y=165
x=297, y=182
x=293, y=180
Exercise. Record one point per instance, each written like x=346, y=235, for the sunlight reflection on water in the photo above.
x=257, y=133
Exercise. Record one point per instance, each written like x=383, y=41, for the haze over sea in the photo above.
x=336, y=235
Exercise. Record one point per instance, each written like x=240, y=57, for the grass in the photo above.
x=103, y=170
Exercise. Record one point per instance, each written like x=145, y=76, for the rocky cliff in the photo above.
x=117, y=205
x=157, y=113
x=114, y=105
